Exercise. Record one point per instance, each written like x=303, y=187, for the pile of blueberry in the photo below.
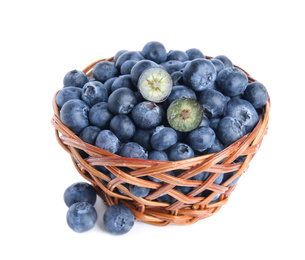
x=161, y=105
x=80, y=197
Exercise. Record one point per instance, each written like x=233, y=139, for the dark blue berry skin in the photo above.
x=138, y=191
x=108, y=84
x=225, y=60
x=133, y=150
x=142, y=137
x=123, y=81
x=94, y=92
x=166, y=198
x=232, y=81
x=118, y=54
x=80, y=192
x=74, y=114
x=230, y=130
x=228, y=176
x=99, y=115
x=163, y=138
x=201, y=138
x=104, y=70
x=172, y=65
x=256, y=93
x=75, y=78
x=219, y=66
x=127, y=66
x=177, y=78
x=199, y=74
x=177, y=55
x=67, y=93
x=213, y=102
x=138, y=69
x=180, y=151
x=214, y=123
x=205, y=121
x=154, y=51
x=216, y=147
x=122, y=127
x=122, y=101
x=89, y=134
x=108, y=141
x=194, y=54
x=244, y=112
x=147, y=115
x=129, y=55
x=118, y=219
x=158, y=155
x=180, y=92
x=81, y=217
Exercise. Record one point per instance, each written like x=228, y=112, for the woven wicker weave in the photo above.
x=186, y=209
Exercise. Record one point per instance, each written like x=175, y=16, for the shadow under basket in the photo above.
x=205, y=197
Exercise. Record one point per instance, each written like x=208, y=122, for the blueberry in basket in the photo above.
x=160, y=105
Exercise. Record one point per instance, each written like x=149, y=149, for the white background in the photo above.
x=42, y=40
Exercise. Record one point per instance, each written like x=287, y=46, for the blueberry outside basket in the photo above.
x=186, y=209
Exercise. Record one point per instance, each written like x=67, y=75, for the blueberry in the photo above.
x=213, y=102
x=225, y=60
x=216, y=147
x=178, y=92
x=163, y=138
x=108, y=141
x=108, y=84
x=172, y=65
x=201, y=138
x=205, y=121
x=214, y=123
x=194, y=54
x=104, y=70
x=199, y=74
x=154, y=51
x=166, y=198
x=133, y=150
x=230, y=130
x=75, y=78
x=142, y=137
x=67, y=93
x=129, y=55
x=99, y=115
x=228, y=176
x=184, y=114
x=94, y=92
x=127, y=66
x=122, y=127
x=81, y=217
x=155, y=84
x=80, y=192
x=256, y=93
x=74, y=114
x=177, y=78
x=177, y=55
x=147, y=115
x=89, y=134
x=118, y=219
x=138, y=69
x=244, y=112
x=158, y=155
x=232, y=81
x=138, y=191
x=118, y=54
x=123, y=81
x=180, y=151
x=121, y=101
x=218, y=65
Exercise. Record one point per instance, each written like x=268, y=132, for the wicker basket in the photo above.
x=186, y=209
